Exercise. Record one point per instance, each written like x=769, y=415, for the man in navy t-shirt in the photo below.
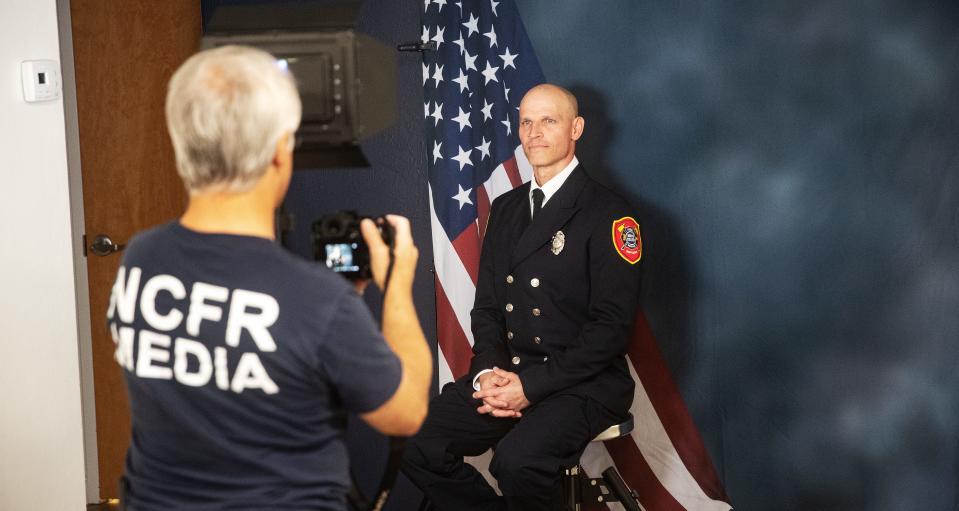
x=240, y=358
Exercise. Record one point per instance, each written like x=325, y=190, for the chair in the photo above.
x=579, y=488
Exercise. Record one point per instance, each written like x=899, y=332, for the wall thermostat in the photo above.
x=41, y=80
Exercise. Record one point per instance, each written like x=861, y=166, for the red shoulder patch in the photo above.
x=626, y=239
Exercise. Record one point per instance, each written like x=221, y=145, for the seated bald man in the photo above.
x=557, y=290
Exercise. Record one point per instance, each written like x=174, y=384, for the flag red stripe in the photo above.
x=512, y=171
x=639, y=477
x=466, y=246
x=482, y=210
x=671, y=409
x=450, y=336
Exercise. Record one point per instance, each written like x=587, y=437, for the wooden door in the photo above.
x=124, y=55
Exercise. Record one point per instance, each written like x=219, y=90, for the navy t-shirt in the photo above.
x=240, y=359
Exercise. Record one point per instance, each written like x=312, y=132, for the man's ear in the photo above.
x=282, y=153
x=281, y=167
x=578, y=124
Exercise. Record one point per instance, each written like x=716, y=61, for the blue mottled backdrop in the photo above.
x=797, y=168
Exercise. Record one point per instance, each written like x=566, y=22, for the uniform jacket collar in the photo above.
x=554, y=215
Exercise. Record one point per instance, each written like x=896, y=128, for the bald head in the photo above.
x=549, y=127
x=562, y=97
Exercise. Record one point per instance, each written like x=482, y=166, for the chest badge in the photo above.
x=558, y=242
x=627, y=240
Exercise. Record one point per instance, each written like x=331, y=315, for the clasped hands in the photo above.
x=502, y=394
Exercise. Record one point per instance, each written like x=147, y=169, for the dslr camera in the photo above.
x=338, y=242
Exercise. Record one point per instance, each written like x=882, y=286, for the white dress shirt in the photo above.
x=551, y=186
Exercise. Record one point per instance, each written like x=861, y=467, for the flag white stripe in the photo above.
x=498, y=183
x=661, y=456
x=443, y=372
x=452, y=274
x=525, y=169
x=657, y=449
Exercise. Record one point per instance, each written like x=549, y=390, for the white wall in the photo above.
x=41, y=426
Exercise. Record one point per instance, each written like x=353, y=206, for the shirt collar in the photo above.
x=553, y=185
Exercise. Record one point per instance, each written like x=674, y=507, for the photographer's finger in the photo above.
x=402, y=232
x=371, y=234
x=405, y=253
x=379, y=252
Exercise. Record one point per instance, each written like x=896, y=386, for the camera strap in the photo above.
x=397, y=445
x=389, y=275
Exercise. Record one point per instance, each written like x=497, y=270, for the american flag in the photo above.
x=473, y=83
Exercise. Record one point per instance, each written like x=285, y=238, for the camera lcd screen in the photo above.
x=339, y=257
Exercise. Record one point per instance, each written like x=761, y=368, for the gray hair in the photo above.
x=226, y=109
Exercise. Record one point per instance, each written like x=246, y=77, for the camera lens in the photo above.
x=333, y=227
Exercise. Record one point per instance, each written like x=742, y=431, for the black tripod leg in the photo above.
x=571, y=483
x=618, y=488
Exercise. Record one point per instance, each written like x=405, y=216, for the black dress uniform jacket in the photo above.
x=560, y=320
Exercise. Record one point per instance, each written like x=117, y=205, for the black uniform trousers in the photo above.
x=529, y=453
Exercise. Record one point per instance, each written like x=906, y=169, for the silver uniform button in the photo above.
x=509, y=335
x=536, y=312
x=536, y=339
x=509, y=307
x=545, y=359
x=515, y=361
x=534, y=282
x=509, y=279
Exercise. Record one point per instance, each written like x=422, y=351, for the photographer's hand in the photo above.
x=405, y=253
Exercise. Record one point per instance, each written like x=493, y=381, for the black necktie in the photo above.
x=538, y=197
